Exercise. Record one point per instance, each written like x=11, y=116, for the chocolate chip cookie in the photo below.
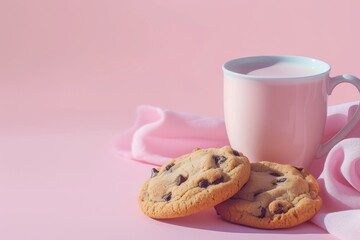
x=276, y=196
x=194, y=182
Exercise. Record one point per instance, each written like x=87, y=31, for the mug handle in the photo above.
x=333, y=82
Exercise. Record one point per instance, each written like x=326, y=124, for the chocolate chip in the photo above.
x=203, y=183
x=219, y=159
x=299, y=168
x=257, y=193
x=168, y=167
x=281, y=180
x=167, y=197
x=279, y=210
x=275, y=174
x=219, y=180
x=262, y=213
x=154, y=172
x=180, y=179
x=236, y=153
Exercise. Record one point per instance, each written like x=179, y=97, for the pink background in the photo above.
x=60, y=57
x=73, y=71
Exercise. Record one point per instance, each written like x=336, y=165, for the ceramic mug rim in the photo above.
x=322, y=67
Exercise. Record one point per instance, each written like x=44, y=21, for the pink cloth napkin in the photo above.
x=160, y=134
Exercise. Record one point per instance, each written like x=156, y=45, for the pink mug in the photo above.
x=275, y=107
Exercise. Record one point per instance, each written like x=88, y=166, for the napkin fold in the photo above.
x=340, y=190
x=161, y=134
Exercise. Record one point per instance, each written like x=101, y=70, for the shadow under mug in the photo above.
x=275, y=107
